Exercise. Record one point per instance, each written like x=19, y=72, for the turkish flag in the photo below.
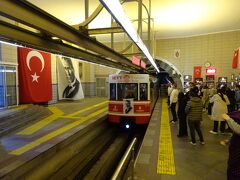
x=235, y=59
x=34, y=73
x=197, y=71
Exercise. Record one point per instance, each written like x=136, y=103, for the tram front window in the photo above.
x=127, y=91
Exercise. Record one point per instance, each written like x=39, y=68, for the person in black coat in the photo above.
x=231, y=96
x=233, y=169
x=182, y=102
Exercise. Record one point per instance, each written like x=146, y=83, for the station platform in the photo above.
x=66, y=118
x=165, y=156
x=162, y=155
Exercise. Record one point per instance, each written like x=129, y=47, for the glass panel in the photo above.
x=120, y=91
x=129, y=90
x=101, y=87
x=11, y=86
x=112, y=91
x=2, y=87
x=143, y=91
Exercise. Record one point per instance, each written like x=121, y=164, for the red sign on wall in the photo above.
x=210, y=71
x=197, y=70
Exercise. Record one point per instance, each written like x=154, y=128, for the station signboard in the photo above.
x=211, y=71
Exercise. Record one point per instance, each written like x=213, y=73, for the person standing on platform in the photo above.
x=231, y=96
x=194, y=115
x=205, y=97
x=220, y=102
x=173, y=102
x=169, y=90
x=182, y=102
x=212, y=92
x=237, y=96
x=233, y=169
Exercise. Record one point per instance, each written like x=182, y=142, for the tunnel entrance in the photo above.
x=169, y=73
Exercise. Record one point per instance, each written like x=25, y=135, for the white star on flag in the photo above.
x=35, y=77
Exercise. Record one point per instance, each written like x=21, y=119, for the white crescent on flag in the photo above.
x=38, y=55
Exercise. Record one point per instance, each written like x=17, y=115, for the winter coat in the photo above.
x=234, y=147
x=174, y=96
x=219, y=107
x=194, y=109
x=182, y=102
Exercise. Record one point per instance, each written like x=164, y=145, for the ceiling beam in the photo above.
x=30, y=15
x=12, y=33
x=105, y=30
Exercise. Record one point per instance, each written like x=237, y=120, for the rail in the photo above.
x=123, y=163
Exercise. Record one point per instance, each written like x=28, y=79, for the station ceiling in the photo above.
x=169, y=18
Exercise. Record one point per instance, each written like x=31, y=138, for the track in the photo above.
x=93, y=154
x=107, y=163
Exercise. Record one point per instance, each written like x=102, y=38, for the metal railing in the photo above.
x=122, y=166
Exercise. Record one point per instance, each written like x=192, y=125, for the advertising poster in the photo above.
x=128, y=106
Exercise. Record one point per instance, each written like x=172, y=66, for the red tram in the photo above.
x=132, y=97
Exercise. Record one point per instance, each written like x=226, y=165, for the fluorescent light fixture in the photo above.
x=115, y=8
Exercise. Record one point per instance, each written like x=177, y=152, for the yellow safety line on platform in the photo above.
x=165, y=152
x=55, y=133
x=40, y=124
x=57, y=113
x=86, y=109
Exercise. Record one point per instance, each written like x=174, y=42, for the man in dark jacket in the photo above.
x=182, y=102
x=193, y=110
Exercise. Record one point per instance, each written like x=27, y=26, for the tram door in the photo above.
x=8, y=86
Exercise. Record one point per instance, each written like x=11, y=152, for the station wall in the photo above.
x=194, y=51
x=218, y=49
x=94, y=78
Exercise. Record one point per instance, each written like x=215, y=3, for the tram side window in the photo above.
x=112, y=91
x=143, y=91
x=127, y=91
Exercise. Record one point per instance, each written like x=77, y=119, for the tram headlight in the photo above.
x=127, y=126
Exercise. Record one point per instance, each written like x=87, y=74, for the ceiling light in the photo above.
x=115, y=8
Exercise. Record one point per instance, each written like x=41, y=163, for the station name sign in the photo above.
x=211, y=71
x=129, y=78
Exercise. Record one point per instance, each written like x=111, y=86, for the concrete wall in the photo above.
x=9, y=54
x=90, y=73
